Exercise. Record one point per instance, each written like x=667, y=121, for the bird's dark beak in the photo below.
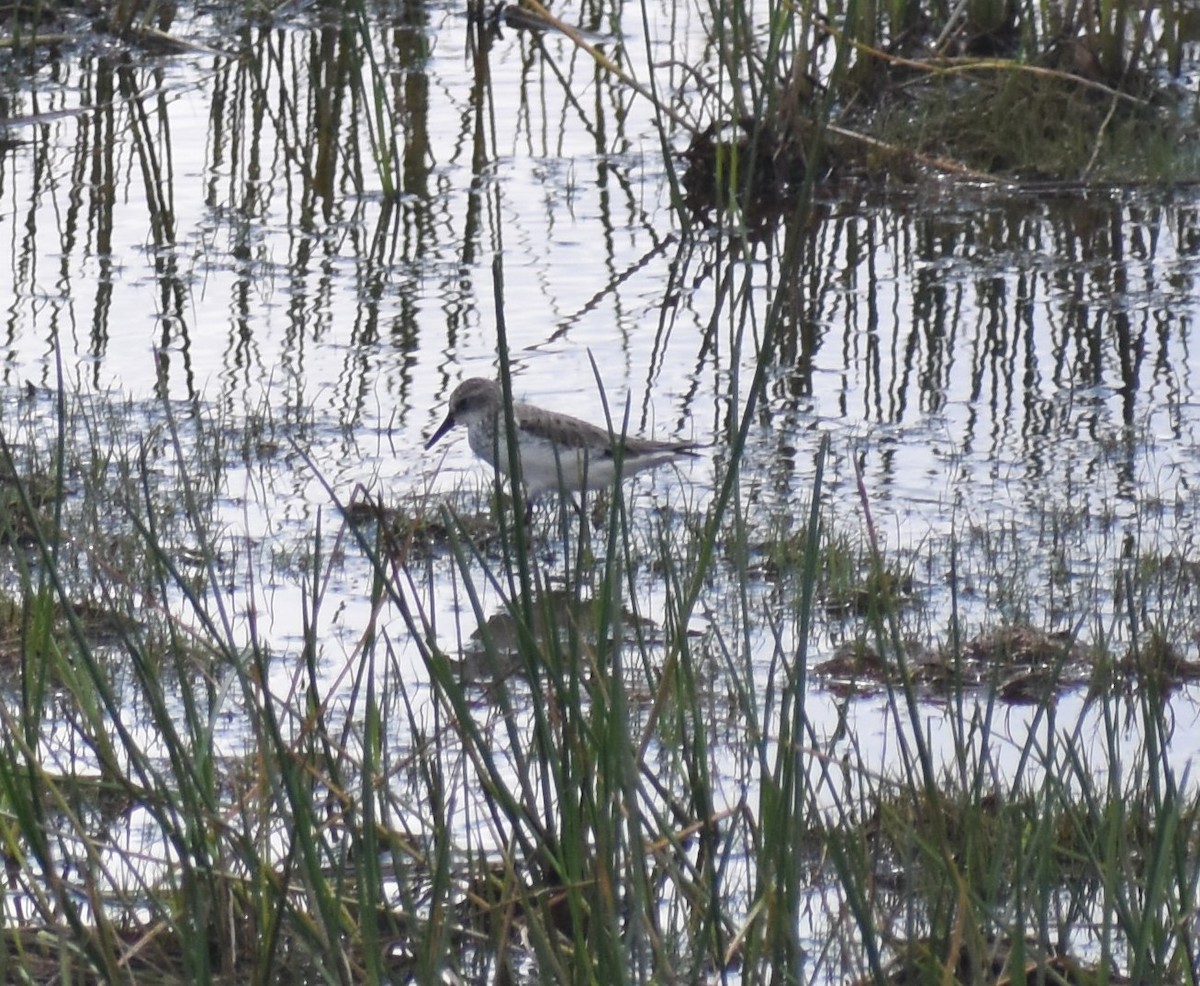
x=444, y=427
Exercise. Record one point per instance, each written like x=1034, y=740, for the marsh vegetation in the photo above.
x=895, y=685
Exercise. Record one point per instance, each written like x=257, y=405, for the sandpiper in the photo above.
x=557, y=451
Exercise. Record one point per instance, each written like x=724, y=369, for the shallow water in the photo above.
x=1010, y=368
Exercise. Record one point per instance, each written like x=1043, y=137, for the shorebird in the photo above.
x=557, y=451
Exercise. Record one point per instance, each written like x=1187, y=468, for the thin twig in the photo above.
x=608, y=64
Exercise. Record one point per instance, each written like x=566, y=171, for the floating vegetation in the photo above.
x=416, y=527
x=1019, y=663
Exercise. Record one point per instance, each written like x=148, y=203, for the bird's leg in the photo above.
x=585, y=531
x=600, y=508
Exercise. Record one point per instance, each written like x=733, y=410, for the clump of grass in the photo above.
x=981, y=90
x=848, y=583
x=999, y=123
